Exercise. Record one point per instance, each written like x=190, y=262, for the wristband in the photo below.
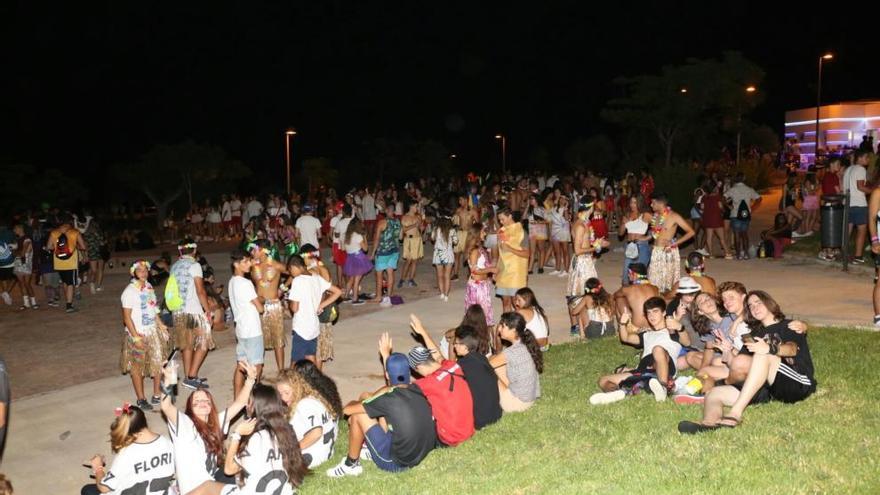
x=235, y=436
x=875, y=239
x=774, y=348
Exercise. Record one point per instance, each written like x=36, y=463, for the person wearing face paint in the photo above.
x=146, y=341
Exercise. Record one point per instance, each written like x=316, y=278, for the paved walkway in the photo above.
x=53, y=433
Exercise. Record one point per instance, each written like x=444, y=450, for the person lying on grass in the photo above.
x=392, y=426
x=781, y=368
x=467, y=349
x=657, y=365
x=519, y=365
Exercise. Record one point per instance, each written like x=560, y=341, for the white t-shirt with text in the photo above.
x=310, y=413
x=264, y=465
x=193, y=465
x=142, y=468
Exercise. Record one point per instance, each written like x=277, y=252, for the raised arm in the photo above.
x=416, y=324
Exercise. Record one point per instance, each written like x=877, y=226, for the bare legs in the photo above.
x=444, y=274
x=719, y=233
x=763, y=370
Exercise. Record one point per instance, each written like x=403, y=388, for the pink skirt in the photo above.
x=480, y=292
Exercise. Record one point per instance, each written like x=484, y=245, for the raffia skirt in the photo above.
x=272, y=321
x=192, y=332
x=325, y=342
x=146, y=359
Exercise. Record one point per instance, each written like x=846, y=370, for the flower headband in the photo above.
x=190, y=245
x=126, y=408
x=137, y=264
x=595, y=290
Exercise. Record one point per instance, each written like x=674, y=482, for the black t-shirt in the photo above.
x=409, y=418
x=483, y=382
x=802, y=362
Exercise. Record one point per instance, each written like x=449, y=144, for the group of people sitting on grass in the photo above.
x=740, y=344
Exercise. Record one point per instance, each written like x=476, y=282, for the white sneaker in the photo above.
x=607, y=397
x=445, y=298
x=554, y=272
x=386, y=302
x=341, y=470
x=92, y=287
x=703, y=252
x=563, y=275
x=365, y=454
x=6, y=298
x=657, y=389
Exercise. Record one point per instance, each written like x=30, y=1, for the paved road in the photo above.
x=54, y=432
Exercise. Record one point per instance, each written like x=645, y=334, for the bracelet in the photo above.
x=875, y=239
x=235, y=436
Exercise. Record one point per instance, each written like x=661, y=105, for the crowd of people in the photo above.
x=500, y=233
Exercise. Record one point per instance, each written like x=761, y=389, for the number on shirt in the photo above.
x=277, y=475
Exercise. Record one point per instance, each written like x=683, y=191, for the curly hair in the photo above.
x=301, y=387
x=516, y=322
x=269, y=411
x=322, y=384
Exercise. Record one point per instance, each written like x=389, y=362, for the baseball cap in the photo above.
x=688, y=285
x=418, y=355
x=397, y=367
x=307, y=207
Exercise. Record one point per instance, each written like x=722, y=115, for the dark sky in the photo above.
x=85, y=86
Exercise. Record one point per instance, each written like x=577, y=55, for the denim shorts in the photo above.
x=858, y=215
x=379, y=443
x=738, y=225
x=250, y=349
x=300, y=348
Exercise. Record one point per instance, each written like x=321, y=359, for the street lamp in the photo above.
x=827, y=56
x=684, y=90
x=503, y=139
x=288, y=135
x=749, y=90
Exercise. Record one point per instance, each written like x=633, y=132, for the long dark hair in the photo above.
x=210, y=431
x=271, y=416
x=702, y=324
x=444, y=227
x=475, y=317
x=769, y=302
x=354, y=226
x=532, y=302
x=322, y=384
x=515, y=321
x=601, y=297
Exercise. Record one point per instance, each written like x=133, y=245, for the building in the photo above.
x=841, y=126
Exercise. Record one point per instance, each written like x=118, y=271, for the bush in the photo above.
x=678, y=182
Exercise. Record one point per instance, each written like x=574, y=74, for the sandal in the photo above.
x=620, y=368
x=691, y=428
x=736, y=422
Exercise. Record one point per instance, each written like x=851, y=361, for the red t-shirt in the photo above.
x=451, y=402
x=830, y=183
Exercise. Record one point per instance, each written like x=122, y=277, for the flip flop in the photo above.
x=620, y=368
x=691, y=428
x=736, y=422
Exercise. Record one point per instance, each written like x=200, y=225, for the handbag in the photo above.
x=632, y=250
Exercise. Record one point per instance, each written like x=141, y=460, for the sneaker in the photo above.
x=400, y=284
x=99, y=289
x=191, y=383
x=607, y=397
x=574, y=331
x=412, y=283
x=144, y=405
x=342, y=470
x=92, y=287
x=203, y=382
x=156, y=400
x=386, y=302
x=70, y=310
x=52, y=304
x=685, y=399
x=540, y=271
x=703, y=251
x=365, y=454
x=563, y=274
x=657, y=389
x=359, y=302
x=445, y=298
x=857, y=260
x=554, y=272
x=7, y=298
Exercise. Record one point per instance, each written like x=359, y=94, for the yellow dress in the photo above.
x=512, y=269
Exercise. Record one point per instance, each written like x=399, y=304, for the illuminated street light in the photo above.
x=827, y=56
x=288, y=134
x=503, y=139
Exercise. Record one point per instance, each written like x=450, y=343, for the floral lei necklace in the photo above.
x=642, y=280
x=657, y=222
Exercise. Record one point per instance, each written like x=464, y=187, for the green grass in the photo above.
x=806, y=245
x=829, y=443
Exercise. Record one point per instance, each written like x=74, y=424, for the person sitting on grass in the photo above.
x=475, y=318
x=695, y=266
x=313, y=413
x=678, y=318
x=519, y=365
x=781, y=363
x=657, y=364
x=594, y=310
x=778, y=238
x=392, y=426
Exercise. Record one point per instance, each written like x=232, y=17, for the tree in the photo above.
x=165, y=172
x=702, y=99
x=596, y=152
x=25, y=186
x=405, y=158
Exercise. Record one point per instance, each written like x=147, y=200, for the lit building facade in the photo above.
x=841, y=126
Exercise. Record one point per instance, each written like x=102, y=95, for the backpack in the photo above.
x=173, y=300
x=62, y=248
x=743, y=212
x=6, y=254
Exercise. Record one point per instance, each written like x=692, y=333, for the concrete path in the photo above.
x=53, y=433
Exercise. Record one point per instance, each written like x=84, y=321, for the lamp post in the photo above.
x=503, y=139
x=749, y=90
x=827, y=56
x=288, y=135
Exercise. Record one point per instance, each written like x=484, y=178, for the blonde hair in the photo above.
x=300, y=390
x=124, y=428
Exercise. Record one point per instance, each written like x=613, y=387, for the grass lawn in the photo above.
x=829, y=443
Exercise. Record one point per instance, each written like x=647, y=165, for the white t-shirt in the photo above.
x=537, y=325
x=309, y=229
x=333, y=223
x=254, y=208
x=262, y=462
x=853, y=174
x=235, y=207
x=193, y=466
x=131, y=299
x=247, y=318
x=738, y=193
x=339, y=230
x=310, y=413
x=214, y=216
x=307, y=290
x=226, y=211
x=142, y=468
x=369, y=205
x=659, y=338
x=191, y=304
x=354, y=244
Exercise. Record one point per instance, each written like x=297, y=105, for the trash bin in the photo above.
x=832, y=220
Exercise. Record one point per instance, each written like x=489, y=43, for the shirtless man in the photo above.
x=665, y=267
x=413, y=247
x=631, y=298
x=696, y=269
x=266, y=276
x=464, y=218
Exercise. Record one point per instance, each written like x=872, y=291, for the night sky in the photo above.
x=87, y=86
